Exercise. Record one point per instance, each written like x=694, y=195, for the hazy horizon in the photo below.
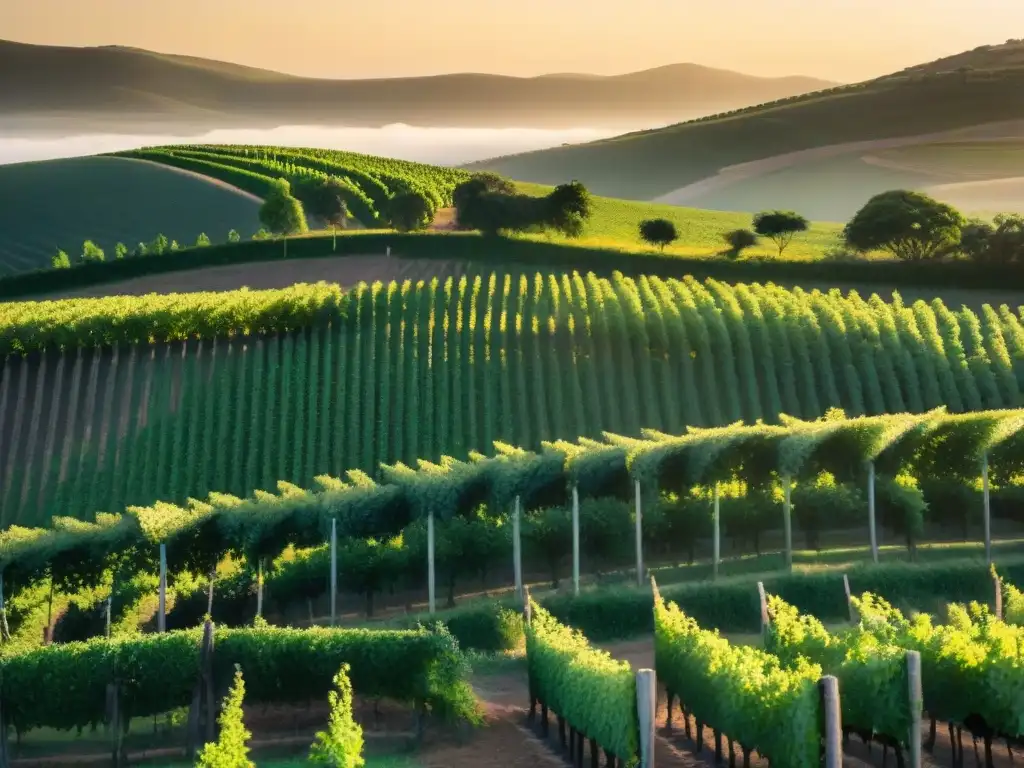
x=842, y=40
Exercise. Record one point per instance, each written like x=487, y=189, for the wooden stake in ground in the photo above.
x=259, y=588
x=430, y=561
x=639, y=536
x=202, y=715
x=916, y=705
x=987, y=509
x=764, y=608
x=997, y=583
x=716, y=520
x=575, y=540
x=161, y=614
x=849, y=599
x=873, y=531
x=334, y=571
x=787, y=520
x=646, y=706
x=517, y=547
x=833, y=736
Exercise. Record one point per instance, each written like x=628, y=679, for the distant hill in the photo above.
x=48, y=86
x=979, y=93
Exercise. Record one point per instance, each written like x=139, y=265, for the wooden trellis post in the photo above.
x=873, y=530
x=161, y=617
x=833, y=736
x=997, y=602
x=575, y=540
x=987, y=509
x=646, y=706
x=787, y=520
x=716, y=519
x=202, y=714
x=517, y=547
x=916, y=699
x=334, y=571
x=849, y=599
x=639, y=536
x=430, y=562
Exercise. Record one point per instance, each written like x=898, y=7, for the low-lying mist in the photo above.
x=438, y=146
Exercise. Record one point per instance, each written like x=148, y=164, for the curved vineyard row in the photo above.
x=323, y=382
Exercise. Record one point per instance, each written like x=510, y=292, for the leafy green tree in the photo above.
x=660, y=232
x=202, y=241
x=910, y=225
x=120, y=251
x=282, y=214
x=233, y=236
x=326, y=201
x=159, y=245
x=261, y=234
x=410, y=211
x=738, y=241
x=174, y=246
x=568, y=208
x=479, y=184
x=141, y=249
x=91, y=252
x=341, y=745
x=60, y=260
x=780, y=227
x=1001, y=242
x=231, y=749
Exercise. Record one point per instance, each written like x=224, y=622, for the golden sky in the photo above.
x=842, y=40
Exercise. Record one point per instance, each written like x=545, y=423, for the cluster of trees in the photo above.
x=158, y=246
x=915, y=227
x=489, y=203
x=778, y=226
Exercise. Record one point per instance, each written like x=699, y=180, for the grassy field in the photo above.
x=60, y=203
x=615, y=223
x=648, y=164
x=960, y=160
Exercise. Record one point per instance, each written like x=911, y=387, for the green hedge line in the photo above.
x=472, y=247
x=64, y=686
x=733, y=606
x=594, y=693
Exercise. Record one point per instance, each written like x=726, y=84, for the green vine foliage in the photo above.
x=64, y=686
x=593, y=692
x=231, y=750
x=341, y=745
x=872, y=674
x=971, y=665
x=743, y=692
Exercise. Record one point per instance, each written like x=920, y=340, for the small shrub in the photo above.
x=91, y=253
x=233, y=236
x=659, y=232
x=120, y=251
x=738, y=240
x=60, y=260
x=231, y=749
x=341, y=745
x=202, y=241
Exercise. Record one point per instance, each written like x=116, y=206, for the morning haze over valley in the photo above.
x=477, y=384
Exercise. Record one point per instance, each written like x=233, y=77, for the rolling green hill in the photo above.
x=61, y=203
x=115, y=86
x=925, y=101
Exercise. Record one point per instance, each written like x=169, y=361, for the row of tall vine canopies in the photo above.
x=196, y=537
x=370, y=181
x=107, y=403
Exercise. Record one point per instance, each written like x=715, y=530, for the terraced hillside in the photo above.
x=922, y=102
x=61, y=203
x=122, y=401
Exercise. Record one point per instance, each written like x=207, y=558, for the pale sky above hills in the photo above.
x=843, y=40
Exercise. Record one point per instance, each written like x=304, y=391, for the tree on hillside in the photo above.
x=202, y=241
x=120, y=251
x=779, y=227
x=159, y=245
x=410, y=211
x=326, y=201
x=999, y=242
x=660, y=232
x=467, y=197
x=739, y=240
x=60, y=260
x=910, y=225
x=568, y=208
x=233, y=236
x=91, y=252
x=282, y=214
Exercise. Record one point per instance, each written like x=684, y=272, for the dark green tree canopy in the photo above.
x=910, y=225
x=282, y=214
x=739, y=240
x=660, y=232
x=780, y=226
x=410, y=211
